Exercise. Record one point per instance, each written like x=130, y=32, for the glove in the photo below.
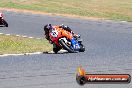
x=76, y=36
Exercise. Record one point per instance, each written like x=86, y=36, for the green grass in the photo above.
x=13, y=44
x=109, y=9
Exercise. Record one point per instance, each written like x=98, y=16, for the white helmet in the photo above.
x=1, y=15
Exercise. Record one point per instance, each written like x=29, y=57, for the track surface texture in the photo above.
x=108, y=50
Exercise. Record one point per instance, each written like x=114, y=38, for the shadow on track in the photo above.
x=59, y=52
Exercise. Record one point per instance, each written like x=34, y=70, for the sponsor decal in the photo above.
x=82, y=78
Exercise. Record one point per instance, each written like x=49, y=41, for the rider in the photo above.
x=2, y=21
x=49, y=27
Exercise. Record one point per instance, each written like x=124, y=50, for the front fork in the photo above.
x=75, y=44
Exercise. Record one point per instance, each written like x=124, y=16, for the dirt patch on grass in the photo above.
x=45, y=13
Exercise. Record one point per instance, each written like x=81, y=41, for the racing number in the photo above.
x=54, y=33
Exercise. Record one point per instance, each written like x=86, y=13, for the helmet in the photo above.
x=47, y=27
x=1, y=15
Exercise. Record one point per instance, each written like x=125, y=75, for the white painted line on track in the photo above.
x=124, y=21
x=17, y=35
x=8, y=34
x=35, y=53
x=1, y=33
x=24, y=36
x=4, y=55
x=30, y=37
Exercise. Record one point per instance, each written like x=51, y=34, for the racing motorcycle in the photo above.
x=3, y=23
x=62, y=39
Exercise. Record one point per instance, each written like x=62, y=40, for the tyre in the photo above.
x=66, y=47
x=5, y=23
x=82, y=48
x=56, y=48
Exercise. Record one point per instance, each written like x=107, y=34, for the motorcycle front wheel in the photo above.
x=5, y=23
x=65, y=46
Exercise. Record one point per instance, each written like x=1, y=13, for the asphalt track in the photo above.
x=108, y=50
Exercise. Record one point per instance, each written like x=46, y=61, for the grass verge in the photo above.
x=109, y=9
x=15, y=45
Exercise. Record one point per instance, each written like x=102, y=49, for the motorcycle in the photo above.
x=3, y=23
x=62, y=39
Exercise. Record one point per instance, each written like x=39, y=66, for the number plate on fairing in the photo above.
x=54, y=33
